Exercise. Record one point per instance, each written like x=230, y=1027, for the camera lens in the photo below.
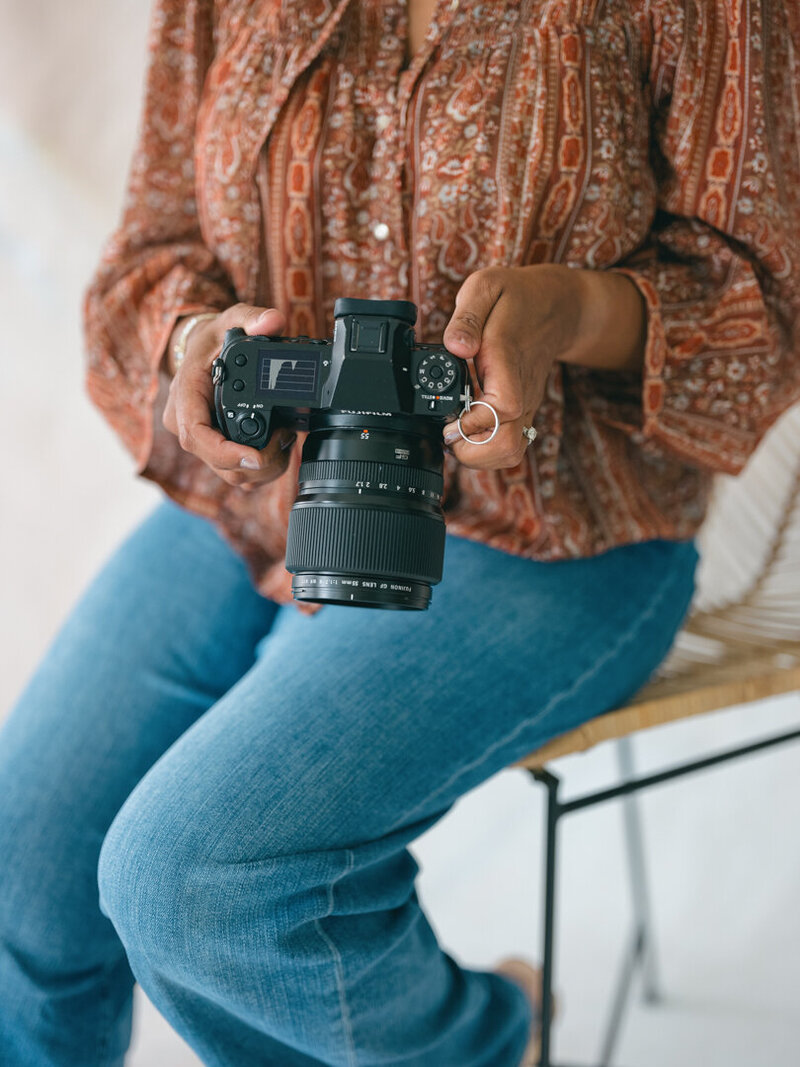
x=367, y=526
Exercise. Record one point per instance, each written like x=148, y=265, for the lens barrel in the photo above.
x=367, y=527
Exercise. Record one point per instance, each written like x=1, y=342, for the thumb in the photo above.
x=474, y=302
x=255, y=320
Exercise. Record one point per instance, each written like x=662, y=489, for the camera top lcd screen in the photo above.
x=285, y=377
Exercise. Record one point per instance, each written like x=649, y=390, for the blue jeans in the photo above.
x=246, y=780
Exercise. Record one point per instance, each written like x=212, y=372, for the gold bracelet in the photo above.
x=179, y=349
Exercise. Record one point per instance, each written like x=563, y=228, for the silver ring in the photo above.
x=492, y=435
x=530, y=432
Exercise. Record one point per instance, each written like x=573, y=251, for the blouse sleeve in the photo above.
x=155, y=267
x=720, y=273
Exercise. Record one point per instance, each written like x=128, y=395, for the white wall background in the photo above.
x=722, y=847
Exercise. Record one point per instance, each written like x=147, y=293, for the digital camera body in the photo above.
x=367, y=527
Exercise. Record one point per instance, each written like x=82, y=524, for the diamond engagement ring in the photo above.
x=530, y=433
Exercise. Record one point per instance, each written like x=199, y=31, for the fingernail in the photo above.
x=250, y=463
x=287, y=442
x=461, y=338
x=451, y=435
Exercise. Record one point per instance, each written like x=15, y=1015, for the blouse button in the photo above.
x=380, y=231
x=382, y=121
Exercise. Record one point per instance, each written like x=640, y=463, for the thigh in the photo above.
x=170, y=623
x=354, y=724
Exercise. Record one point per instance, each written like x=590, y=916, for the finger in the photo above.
x=188, y=409
x=198, y=435
x=272, y=463
x=168, y=415
x=256, y=320
x=503, y=388
x=474, y=302
x=501, y=366
x=262, y=464
x=507, y=449
x=207, y=339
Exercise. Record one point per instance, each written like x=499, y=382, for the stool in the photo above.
x=741, y=643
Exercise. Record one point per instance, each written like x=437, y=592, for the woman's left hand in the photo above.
x=515, y=322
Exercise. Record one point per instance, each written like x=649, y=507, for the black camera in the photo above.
x=367, y=527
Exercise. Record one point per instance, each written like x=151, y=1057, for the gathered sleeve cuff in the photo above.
x=720, y=273
x=155, y=267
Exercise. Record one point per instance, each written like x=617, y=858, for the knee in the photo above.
x=148, y=868
x=168, y=883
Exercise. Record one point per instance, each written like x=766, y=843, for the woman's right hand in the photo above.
x=191, y=401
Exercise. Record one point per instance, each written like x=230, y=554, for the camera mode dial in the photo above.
x=436, y=372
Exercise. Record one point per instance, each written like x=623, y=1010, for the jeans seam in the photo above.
x=347, y=1026
x=554, y=701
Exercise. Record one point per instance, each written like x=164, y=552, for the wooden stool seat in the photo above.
x=741, y=641
x=748, y=674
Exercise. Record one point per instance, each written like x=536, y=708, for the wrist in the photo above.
x=173, y=340
x=612, y=322
x=184, y=328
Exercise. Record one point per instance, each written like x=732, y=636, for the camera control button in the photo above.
x=250, y=427
x=240, y=360
x=238, y=385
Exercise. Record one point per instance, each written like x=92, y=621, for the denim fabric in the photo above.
x=247, y=778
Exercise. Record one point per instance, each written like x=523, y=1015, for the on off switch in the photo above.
x=250, y=427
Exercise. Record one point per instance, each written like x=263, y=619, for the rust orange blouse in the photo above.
x=286, y=157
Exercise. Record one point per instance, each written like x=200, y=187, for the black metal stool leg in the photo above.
x=640, y=889
x=639, y=953
x=552, y=783
x=640, y=950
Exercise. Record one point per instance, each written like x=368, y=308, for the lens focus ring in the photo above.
x=344, y=538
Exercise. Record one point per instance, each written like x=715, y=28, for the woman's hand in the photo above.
x=191, y=401
x=515, y=322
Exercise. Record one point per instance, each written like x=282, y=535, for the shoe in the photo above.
x=530, y=979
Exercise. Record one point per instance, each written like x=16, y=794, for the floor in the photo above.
x=722, y=847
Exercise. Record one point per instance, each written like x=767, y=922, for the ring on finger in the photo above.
x=530, y=432
x=492, y=435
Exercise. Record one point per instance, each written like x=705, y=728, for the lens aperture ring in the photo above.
x=365, y=474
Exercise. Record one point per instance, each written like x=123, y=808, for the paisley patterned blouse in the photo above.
x=286, y=157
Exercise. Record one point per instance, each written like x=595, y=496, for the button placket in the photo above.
x=386, y=208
